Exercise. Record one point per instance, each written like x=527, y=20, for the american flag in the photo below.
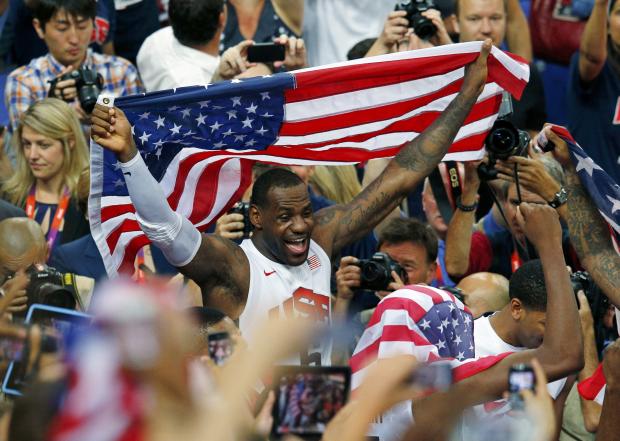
x=198, y=142
x=428, y=323
x=314, y=262
x=605, y=194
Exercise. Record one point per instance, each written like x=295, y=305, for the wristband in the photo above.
x=559, y=198
x=466, y=208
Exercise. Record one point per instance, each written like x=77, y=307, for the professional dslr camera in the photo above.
x=422, y=26
x=503, y=141
x=88, y=84
x=47, y=286
x=243, y=208
x=376, y=272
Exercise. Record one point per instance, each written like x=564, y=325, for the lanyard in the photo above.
x=61, y=209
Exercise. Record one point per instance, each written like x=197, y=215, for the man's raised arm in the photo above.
x=340, y=225
x=198, y=256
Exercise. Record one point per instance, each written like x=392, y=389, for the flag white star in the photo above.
x=266, y=76
x=160, y=121
x=440, y=327
x=144, y=115
x=267, y=115
x=117, y=165
x=185, y=112
x=217, y=107
x=460, y=356
x=201, y=119
x=119, y=183
x=265, y=96
x=261, y=131
x=451, y=306
x=158, y=153
x=175, y=129
x=457, y=340
x=615, y=202
x=425, y=324
x=231, y=114
x=236, y=101
x=219, y=145
x=228, y=132
x=467, y=320
x=158, y=144
x=215, y=126
x=173, y=108
x=247, y=122
x=145, y=137
x=455, y=323
x=240, y=137
x=133, y=130
x=204, y=103
x=235, y=80
x=471, y=346
x=252, y=108
x=250, y=143
x=441, y=344
x=587, y=164
x=189, y=133
x=445, y=322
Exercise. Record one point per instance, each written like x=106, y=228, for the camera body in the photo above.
x=50, y=287
x=243, y=208
x=503, y=141
x=88, y=83
x=376, y=272
x=422, y=26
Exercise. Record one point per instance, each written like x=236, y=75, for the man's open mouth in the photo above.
x=297, y=246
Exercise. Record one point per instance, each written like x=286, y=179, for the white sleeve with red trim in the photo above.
x=172, y=233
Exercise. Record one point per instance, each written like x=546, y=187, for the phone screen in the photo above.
x=308, y=397
x=520, y=380
x=266, y=53
x=11, y=348
x=220, y=347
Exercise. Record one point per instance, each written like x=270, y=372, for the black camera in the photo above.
x=422, y=26
x=376, y=272
x=88, y=83
x=243, y=208
x=581, y=280
x=50, y=287
x=503, y=141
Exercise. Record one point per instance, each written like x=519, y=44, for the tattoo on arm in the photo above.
x=590, y=237
x=424, y=153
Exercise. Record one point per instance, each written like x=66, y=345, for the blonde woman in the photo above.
x=337, y=183
x=51, y=177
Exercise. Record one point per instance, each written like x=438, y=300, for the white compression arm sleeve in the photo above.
x=172, y=233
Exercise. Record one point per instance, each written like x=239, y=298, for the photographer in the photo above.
x=70, y=71
x=411, y=250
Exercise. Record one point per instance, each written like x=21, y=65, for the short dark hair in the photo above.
x=44, y=10
x=528, y=285
x=194, y=22
x=275, y=178
x=360, y=49
x=206, y=317
x=399, y=230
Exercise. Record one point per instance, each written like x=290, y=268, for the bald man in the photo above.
x=484, y=292
x=23, y=244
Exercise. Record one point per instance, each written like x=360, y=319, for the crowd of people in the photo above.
x=408, y=298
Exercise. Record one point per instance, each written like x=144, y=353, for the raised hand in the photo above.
x=111, y=130
x=476, y=72
x=541, y=224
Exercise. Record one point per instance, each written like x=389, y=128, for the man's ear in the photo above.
x=516, y=309
x=36, y=24
x=454, y=21
x=256, y=217
x=432, y=272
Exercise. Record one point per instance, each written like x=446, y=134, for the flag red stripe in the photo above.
x=590, y=387
x=415, y=311
x=499, y=74
x=127, y=225
x=130, y=251
x=111, y=211
x=320, y=83
x=364, y=116
x=471, y=368
x=204, y=200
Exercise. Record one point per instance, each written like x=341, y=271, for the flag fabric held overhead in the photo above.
x=200, y=142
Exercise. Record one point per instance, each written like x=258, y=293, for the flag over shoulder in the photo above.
x=200, y=142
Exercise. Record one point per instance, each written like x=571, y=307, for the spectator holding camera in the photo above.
x=70, y=71
x=51, y=176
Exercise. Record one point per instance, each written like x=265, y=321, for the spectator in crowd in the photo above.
x=51, y=175
x=594, y=88
x=287, y=234
x=484, y=292
x=19, y=42
x=610, y=423
x=9, y=210
x=261, y=21
x=499, y=19
x=135, y=21
x=66, y=27
x=336, y=183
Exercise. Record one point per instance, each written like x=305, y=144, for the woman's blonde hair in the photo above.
x=55, y=119
x=338, y=183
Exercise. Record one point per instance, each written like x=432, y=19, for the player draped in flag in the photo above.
x=269, y=274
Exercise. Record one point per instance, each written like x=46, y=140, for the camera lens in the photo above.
x=373, y=272
x=424, y=28
x=88, y=97
x=55, y=295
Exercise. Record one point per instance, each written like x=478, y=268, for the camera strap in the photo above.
x=61, y=209
x=446, y=200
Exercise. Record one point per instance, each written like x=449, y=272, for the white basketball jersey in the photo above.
x=278, y=290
